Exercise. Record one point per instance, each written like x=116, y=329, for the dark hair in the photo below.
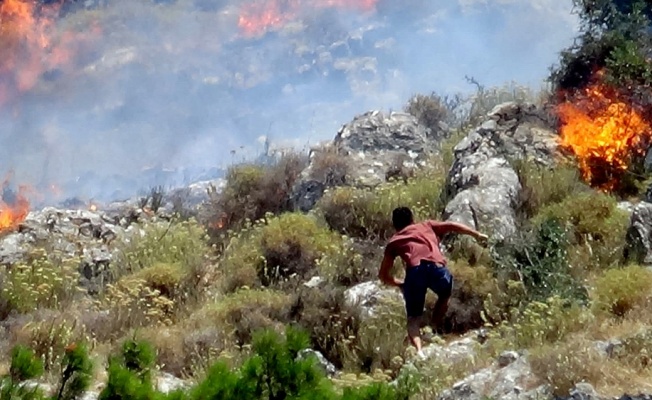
x=402, y=217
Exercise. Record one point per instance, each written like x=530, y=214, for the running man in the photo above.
x=417, y=244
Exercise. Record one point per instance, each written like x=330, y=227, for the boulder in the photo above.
x=639, y=234
x=482, y=185
x=370, y=147
x=368, y=295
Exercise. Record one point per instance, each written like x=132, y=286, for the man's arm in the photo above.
x=443, y=227
x=384, y=272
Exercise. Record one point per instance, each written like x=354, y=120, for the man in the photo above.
x=417, y=244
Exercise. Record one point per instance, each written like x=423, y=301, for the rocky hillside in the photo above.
x=555, y=307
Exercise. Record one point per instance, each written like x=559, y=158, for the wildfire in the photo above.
x=603, y=132
x=259, y=17
x=11, y=215
x=30, y=44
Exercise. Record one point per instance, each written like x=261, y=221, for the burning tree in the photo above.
x=604, y=92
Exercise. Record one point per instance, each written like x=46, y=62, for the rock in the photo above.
x=583, y=391
x=453, y=352
x=639, y=234
x=512, y=382
x=326, y=365
x=371, y=146
x=608, y=348
x=367, y=296
x=482, y=185
x=167, y=383
x=314, y=282
x=507, y=358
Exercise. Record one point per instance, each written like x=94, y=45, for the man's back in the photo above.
x=416, y=242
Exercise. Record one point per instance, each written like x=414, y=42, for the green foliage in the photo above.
x=366, y=213
x=130, y=373
x=620, y=290
x=24, y=364
x=538, y=257
x=76, y=372
x=283, y=251
x=595, y=224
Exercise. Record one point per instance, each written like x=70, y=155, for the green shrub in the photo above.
x=539, y=323
x=24, y=364
x=596, y=228
x=429, y=110
x=620, y=290
x=366, y=213
x=284, y=251
x=242, y=313
x=538, y=257
x=76, y=372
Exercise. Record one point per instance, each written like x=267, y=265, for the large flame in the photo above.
x=30, y=44
x=603, y=132
x=15, y=212
x=259, y=17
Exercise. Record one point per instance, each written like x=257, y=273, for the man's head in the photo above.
x=402, y=217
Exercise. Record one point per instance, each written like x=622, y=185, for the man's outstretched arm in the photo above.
x=384, y=272
x=443, y=227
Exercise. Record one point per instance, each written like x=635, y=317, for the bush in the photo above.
x=42, y=281
x=284, y=251
x=543, y=186
x=183, y=243
x=538, y=258
x=252, y=191
x=620, y=290
x=429, y=110
x=563, y=366
x=240, y=314
x=76, y=372
x=539, y=323
x=366, y=213
x=596, y=228
x=329, y=167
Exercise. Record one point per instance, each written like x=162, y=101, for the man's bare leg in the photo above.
x=414, y=332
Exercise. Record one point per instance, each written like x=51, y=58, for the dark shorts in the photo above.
x=427, y=275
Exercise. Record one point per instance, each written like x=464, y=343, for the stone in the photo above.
x=323, y=363
x=639, y=234
x=166, y=383
x=506, y=358
x=367, y=296
x=482, y=185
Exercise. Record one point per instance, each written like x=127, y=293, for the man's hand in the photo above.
x=482, y=239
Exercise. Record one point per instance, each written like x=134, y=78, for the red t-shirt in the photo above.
x=416, y=242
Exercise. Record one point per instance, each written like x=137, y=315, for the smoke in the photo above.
x=164, y=92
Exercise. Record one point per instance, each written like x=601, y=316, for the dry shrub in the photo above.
x=543, y=185
x=620, y=290
x=241, y=313
x=329, y=166
x=42, y=280
x=429, y=110
x=473, y=287
x=563, y=366
x=49, y=334
x=252, y=191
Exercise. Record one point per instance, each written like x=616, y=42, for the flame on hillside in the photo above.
x=14, y=211
x=261, y=16
x=31, y=46
x=603, y=132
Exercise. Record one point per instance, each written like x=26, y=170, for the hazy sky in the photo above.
x=177, y=85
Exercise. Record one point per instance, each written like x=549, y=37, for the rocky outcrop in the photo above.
x=639, y=234
x=367, y=151
x=86, y=234
x=368, y=295
x=482, y=185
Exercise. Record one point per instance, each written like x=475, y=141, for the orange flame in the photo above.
x=603, y=132
x=12, y=215
x=257, y=18
x=30, y=46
